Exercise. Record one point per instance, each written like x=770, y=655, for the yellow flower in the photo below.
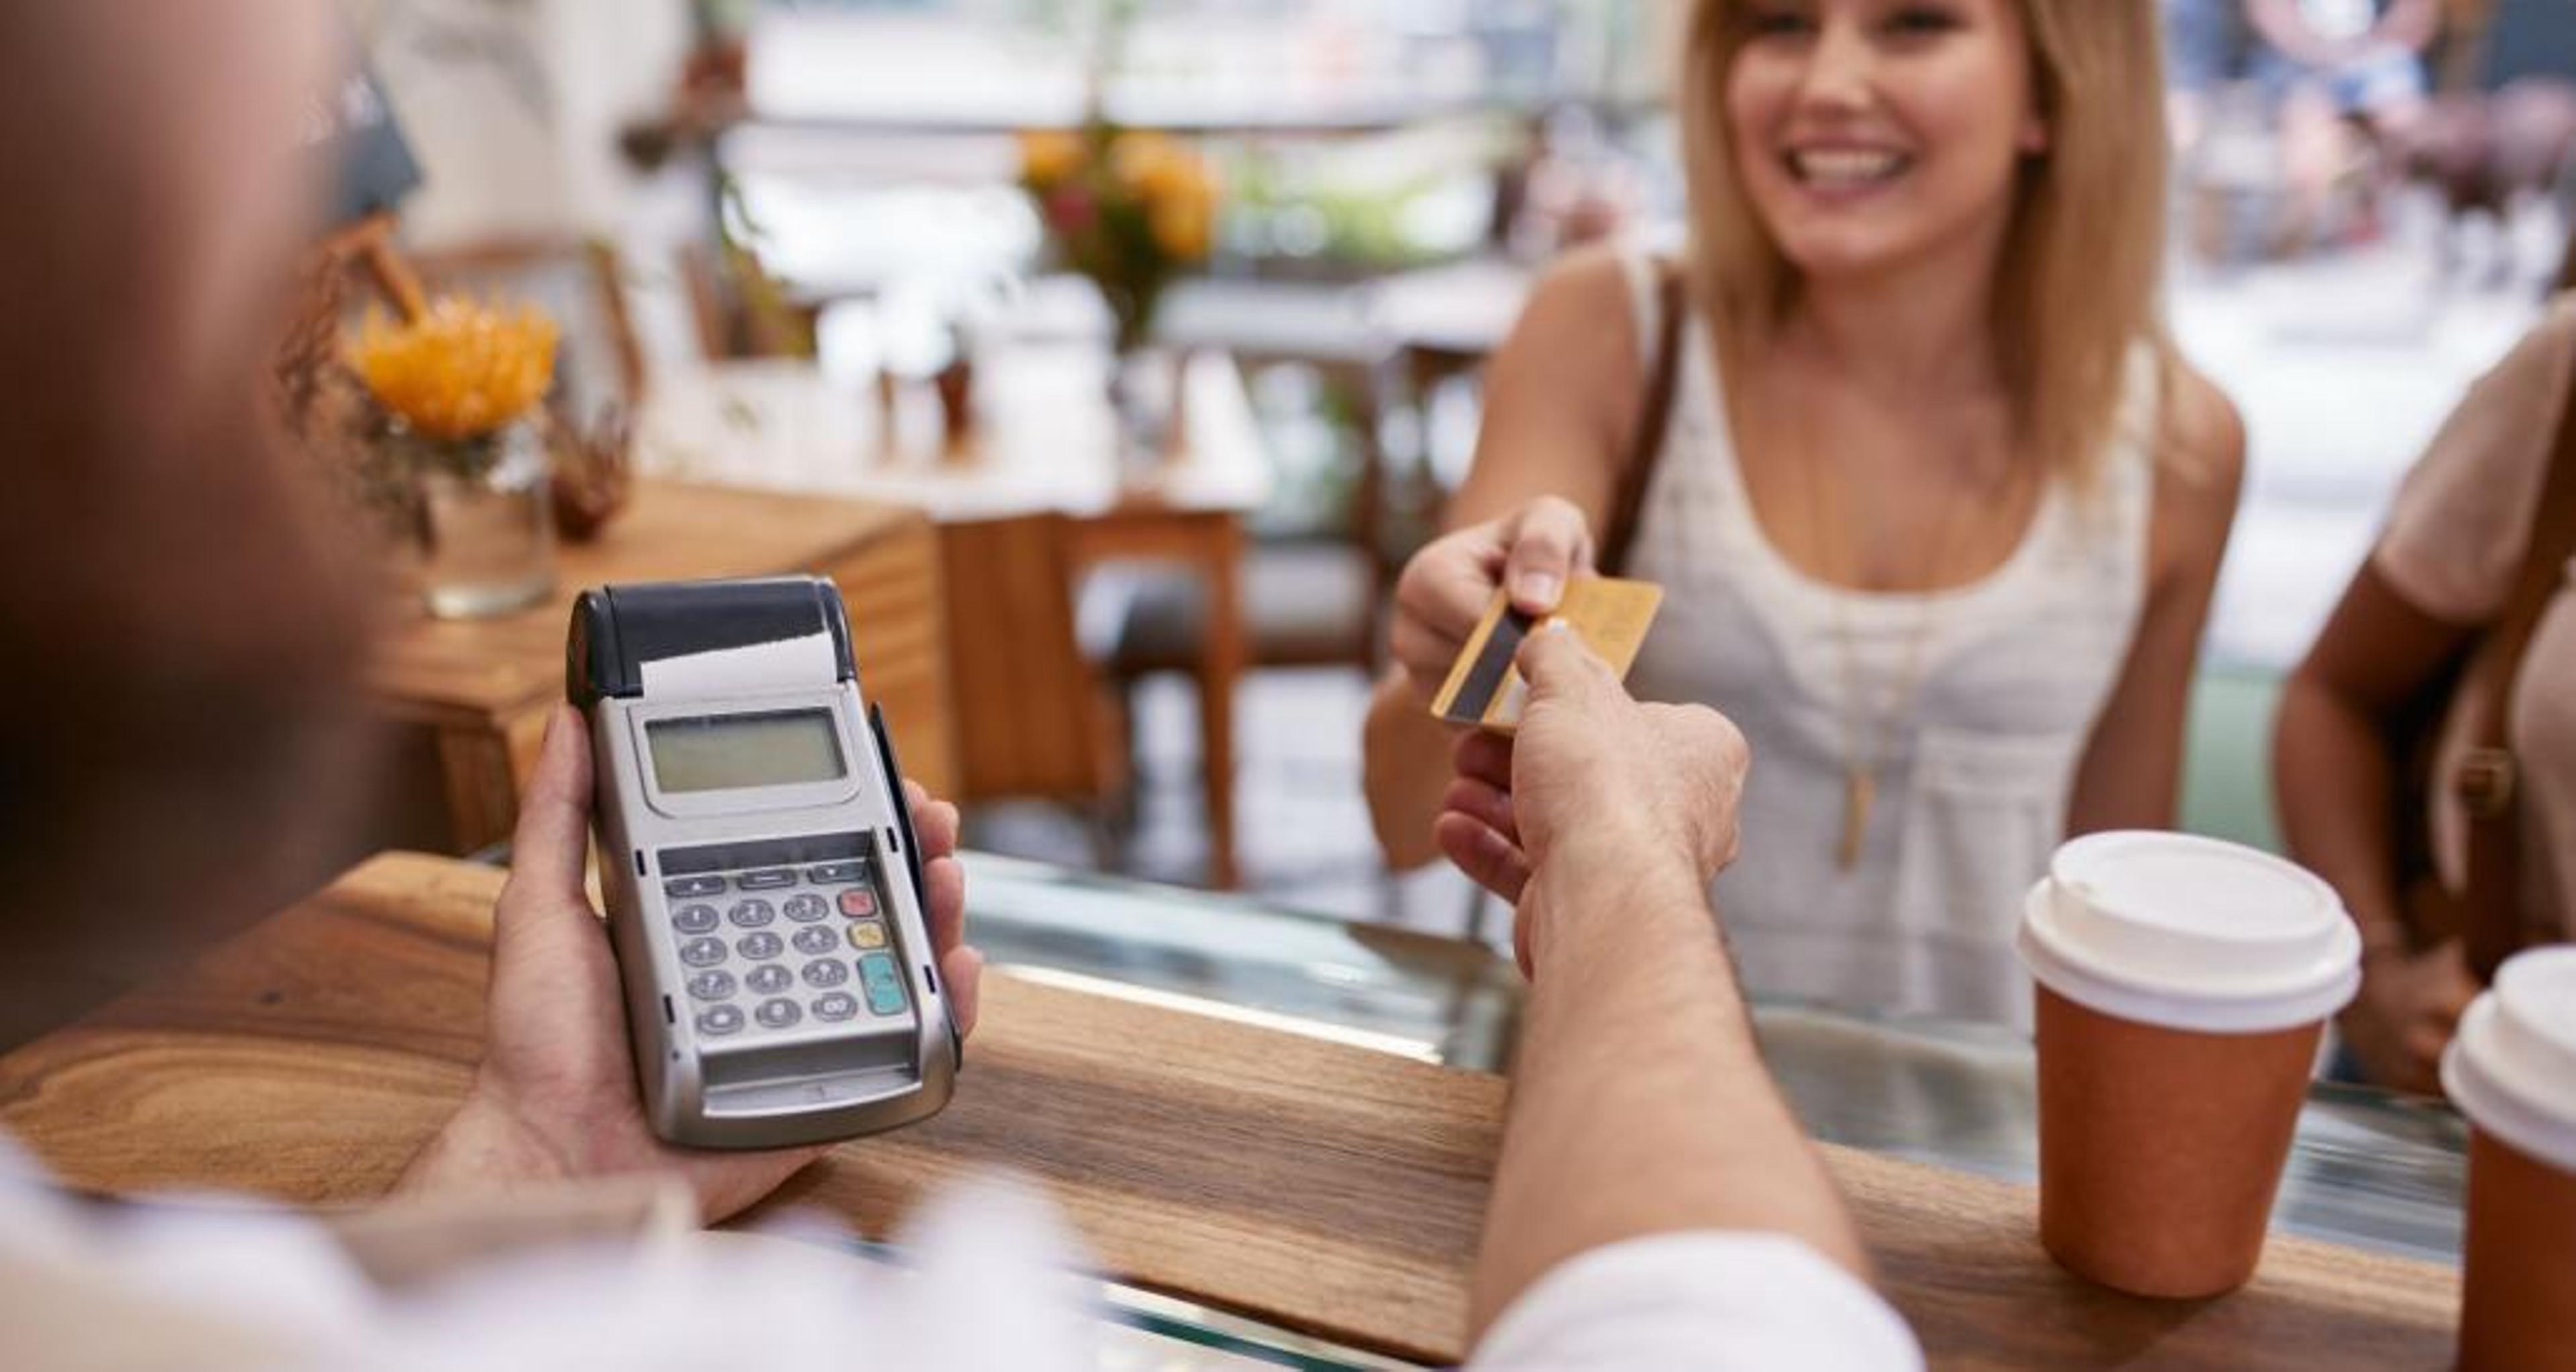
x=1173, y=186
x=1181, y=226
x=1048, y=156
x=1142, y=159
x=460, y=370
x=1179, y=177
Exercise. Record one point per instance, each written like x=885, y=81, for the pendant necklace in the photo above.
x=1868, y=733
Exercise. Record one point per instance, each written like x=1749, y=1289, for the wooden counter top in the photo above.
x=1321, y=1187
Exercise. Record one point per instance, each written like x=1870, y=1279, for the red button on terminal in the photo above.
x=858, y=904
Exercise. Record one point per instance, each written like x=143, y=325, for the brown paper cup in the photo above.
x=2160, y=1149
x=2519, y=1306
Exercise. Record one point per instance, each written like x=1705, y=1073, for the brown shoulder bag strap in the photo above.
x=1663, y=378
x=2486, y=781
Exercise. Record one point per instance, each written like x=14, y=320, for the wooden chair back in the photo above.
x=1029, y=718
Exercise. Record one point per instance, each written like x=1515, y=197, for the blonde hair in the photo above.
x=2078, y=285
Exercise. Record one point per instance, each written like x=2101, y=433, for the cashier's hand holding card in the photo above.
x=1468, y=600
x=1593, y=777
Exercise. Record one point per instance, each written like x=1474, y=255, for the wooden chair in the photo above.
x=1306, y=603
x=1030, y=723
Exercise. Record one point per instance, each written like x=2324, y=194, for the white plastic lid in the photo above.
x=2190, y=933
x=2512, y=1067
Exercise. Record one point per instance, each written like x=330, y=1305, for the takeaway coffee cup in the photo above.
x=2512, y=1070
x=2182, y=986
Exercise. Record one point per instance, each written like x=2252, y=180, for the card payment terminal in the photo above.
x=764, y=891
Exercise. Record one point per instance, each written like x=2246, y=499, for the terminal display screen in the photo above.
x=726, y=752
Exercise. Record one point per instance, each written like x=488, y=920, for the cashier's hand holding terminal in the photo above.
x=555, y=1097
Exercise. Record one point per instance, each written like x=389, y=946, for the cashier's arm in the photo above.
x=1640, y=1106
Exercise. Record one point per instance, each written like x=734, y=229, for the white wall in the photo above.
x=513, y=107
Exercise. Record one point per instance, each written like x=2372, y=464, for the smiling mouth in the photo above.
x=1846, y=168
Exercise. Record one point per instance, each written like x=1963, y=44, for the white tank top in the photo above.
x=1972, y=783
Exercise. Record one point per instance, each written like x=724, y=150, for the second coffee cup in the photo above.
x=2182, y=986
x=2512, y=1071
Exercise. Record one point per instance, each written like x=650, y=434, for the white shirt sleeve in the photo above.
x=993, y=1279
x=1699, y=1299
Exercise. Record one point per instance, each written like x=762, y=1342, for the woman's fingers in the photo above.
x=1548, y=541
x=1424, y=652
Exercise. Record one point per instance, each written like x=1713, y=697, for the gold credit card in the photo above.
x=1484, y=688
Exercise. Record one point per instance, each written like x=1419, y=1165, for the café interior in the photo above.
x=1117, y=368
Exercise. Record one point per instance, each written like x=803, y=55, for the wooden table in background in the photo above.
x=485, y=686
x=1038, y=494
x=1320, y=1187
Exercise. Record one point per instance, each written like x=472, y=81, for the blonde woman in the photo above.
x=1937, y=509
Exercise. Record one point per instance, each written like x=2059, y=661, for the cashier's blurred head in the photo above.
x=1834, y=142
x=173, y=630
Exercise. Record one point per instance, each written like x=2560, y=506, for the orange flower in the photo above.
x=1048, y=156
x=1138, y=158
x=1181, y=226
x=1180, y=178
x=461, y=370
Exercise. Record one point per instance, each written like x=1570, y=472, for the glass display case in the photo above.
x=2369, y=1169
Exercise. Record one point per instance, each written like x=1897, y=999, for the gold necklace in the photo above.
x=1867, y=734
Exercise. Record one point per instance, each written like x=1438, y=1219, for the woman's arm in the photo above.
x=2443, y=567
x=2336, y=792
x=2330, y=752
x=2131, y=774
x=1561, y=402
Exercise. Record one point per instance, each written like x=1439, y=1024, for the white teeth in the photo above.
x=1846, y=167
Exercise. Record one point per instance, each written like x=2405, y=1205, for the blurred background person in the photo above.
x=2426, y=749
x=2200, y=47
x=2343, y=76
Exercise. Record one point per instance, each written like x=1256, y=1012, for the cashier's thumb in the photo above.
x=551, y=848
x=1558, y=665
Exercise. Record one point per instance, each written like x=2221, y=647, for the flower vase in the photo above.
x=486, y=526
x=1145, y=403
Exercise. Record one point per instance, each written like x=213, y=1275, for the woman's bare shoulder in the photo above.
x=1582, y=312
x=2204, y=434
x=2201, y=469
x=1573, y=366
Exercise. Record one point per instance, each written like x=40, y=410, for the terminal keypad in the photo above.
x=833, y=960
